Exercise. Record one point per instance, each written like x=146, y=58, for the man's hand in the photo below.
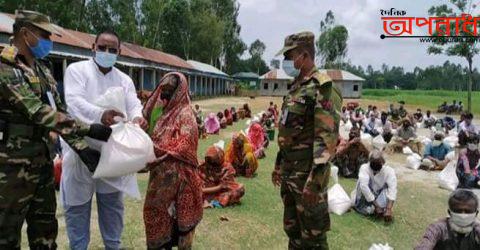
x=141, y=122
x=309, y=198
x=276, y=178
x=388, y=215
x=99, y=132
x=378, y=209
x=108, y=115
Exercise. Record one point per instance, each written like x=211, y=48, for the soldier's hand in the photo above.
x=99, y=132
x=90, y=158
x=276, y=178
x=309, y=198
x=108, y=117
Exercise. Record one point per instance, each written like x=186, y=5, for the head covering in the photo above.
x=212, y=124
x=306, y=39
x=38, y=20
x=216, y=154
x=232, y=154
x=256, y=136
x=176, y=131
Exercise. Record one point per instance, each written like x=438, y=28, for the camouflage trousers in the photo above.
x=305, y=226
x=27, y=193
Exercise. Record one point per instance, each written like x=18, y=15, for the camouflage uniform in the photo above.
x=308, y=133
x=26, y=171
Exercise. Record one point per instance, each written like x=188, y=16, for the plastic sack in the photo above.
x=407, y=150
x=113, y=98
x=447, y=178
x=348, y=126
x=379, y=143
x=424, y=140
x=414, y=161
x=452, y=141
x=338, y=200
x=450, y=156
x=126, y=152
x=220, y=144
x=366, y=139
x=380, y=247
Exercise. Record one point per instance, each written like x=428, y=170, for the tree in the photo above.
x=332, y=42
x=465, y=48
x=257, y=48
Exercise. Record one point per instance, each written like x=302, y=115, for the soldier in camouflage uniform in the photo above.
x=30, y=109
x=308, y=133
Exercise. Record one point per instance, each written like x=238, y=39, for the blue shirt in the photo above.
x=438, y=152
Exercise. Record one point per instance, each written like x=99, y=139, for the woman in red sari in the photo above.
x=173, y=203
x=228, y=117
x=218, y=177
x=256, y=135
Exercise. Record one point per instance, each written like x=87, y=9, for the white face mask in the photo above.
x=436, y=143
x=289, y=68
x=464, y=221
x=472, y=146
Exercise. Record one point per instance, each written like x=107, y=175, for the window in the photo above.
x=265, y=86
x=355, y=88
x=275, y=86
x=289, y=86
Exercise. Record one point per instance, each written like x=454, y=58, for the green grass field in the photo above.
x=426, y=98
x=257, y=222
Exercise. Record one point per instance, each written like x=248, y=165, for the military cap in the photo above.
x=305, y=38
x=38, y=20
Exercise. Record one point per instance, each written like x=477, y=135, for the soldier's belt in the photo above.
x=24, y=131
x=297, y=155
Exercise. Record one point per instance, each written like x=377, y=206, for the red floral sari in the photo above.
x=173, y=203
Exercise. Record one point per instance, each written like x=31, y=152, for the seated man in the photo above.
x=198, y=112
x=452, y=108
x=406, y=136
x=468, y=160
x=460, y=107
x=386, y=127
x=375, y=112
x=435, y=152
x=345, y=116
x=418, y=116
x=376, y=189
x=443, y=108
x=371, y=124
x=429, y=120
x=357, y=119
x=219, y=185
x=394, y=114
x=202, y=132
x=234, y=114
x=240, y=154
x=402, y=112
x=351, y=155
x=459, y=231
x=467, y=130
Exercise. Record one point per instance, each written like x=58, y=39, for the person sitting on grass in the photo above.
x=212, y=124
x=402, y=112
x=256, y=136
x=376, y=189
x=240, y=154
x=222, y=119
x=406, y=136
x=429, y=120
x=418, y=116
x=219, y=185
x=467, y=165
x=394, y=114
x=443, y=107
x=452, y=108
x=345, y=116
x=198, y=112
x=234, y=114
x=247, y=110
x=202, y=132
x=351, y=155
x=467, y=130
x=460, y=230
x=357, y=119
x=434, y=155
x=386, y=127
x=371, y=124
x=228, y=117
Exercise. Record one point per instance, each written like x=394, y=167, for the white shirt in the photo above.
x=84, y=83
x=386, y=176
x=372, y=124
x=387, y=127
x=472, y=129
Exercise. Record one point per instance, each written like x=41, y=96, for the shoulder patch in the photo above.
x=9, y=54
x=321, y=78
x=11, y=74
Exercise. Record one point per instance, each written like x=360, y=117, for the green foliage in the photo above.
x=332, y=42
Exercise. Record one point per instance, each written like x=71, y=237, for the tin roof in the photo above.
x=276, y=74
x=246, y=75
x=207, y=68
x=339, y=75
x=85, y=41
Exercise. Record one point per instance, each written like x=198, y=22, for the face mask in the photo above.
x=472, y=146
x=375, y=166
x=289, y=68
x=436, y=143
x=166, y=96
x=42, y=49
x=105, y=59
x=462, y=220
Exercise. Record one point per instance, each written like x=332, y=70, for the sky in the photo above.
x=272, y=20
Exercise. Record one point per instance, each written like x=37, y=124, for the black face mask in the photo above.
x=375, y=166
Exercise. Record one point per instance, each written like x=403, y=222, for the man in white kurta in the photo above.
x=84, y=83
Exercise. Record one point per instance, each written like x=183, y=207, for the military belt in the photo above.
x=297, y=155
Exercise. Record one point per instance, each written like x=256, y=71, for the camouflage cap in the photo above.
x=305, y=38
x=37, y=19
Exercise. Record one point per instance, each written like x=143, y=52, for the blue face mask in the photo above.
x=105, y=59
x=42, y=49
x=289, y=68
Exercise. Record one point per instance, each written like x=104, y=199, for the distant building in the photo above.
x=277, y=83
x=250, y=83
x=144, y=65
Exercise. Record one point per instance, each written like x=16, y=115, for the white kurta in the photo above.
x=84, y=83
x=386, y=177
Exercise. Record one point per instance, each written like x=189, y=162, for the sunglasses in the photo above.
x=104, y=48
